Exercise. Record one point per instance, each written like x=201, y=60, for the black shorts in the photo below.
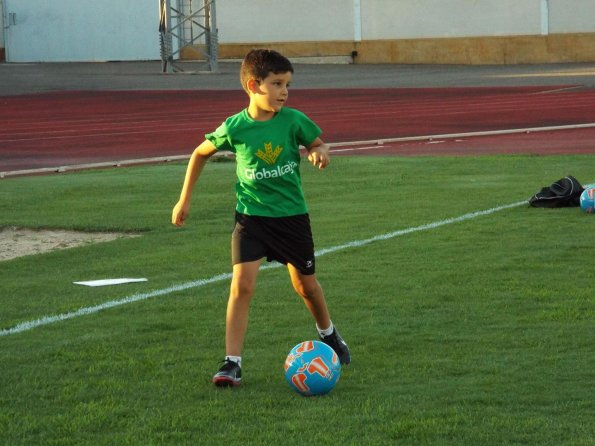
x=284, y=239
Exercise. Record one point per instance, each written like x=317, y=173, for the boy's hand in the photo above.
x=179, y=213
x=318, y=155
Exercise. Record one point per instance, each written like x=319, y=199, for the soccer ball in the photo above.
x=588, y=200
x=312, y=368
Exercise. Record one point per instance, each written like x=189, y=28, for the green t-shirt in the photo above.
x=268, y=160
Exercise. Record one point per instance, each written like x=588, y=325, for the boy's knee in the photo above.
x=242, y=289
x=308, y=289
x=242, y=292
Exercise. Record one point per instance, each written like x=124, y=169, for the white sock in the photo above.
x=327, y=331
x=236, y=359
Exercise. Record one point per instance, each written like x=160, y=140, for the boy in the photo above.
x=271, y=215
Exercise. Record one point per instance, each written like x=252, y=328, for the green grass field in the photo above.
x=479, y=332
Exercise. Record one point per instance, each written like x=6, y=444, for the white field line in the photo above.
x=47, y=320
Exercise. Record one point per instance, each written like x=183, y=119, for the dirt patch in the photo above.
x=17, y=242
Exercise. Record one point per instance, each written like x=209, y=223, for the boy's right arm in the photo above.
x=197, y=161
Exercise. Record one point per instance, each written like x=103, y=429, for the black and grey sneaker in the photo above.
x=336, y=342
x=230, y=374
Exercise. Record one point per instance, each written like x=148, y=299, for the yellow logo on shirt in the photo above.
x=269, y=155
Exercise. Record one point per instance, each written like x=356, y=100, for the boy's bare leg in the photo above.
x=243, y=282
x=308, y=287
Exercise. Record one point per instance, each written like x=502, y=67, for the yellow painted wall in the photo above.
x=553, y=48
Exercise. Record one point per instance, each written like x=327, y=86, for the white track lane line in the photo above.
x=47, y=320
x=335, y=147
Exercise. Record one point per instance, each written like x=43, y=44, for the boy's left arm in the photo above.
x=318, y=153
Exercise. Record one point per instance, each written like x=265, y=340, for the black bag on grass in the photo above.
x=566, y=192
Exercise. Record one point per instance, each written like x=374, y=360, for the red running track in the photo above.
x=67, y=128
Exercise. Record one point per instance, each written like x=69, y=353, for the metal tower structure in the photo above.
x=181, y=26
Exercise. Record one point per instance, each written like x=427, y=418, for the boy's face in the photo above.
x=272, y=92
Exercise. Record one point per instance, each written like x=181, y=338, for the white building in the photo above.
x=374, y=31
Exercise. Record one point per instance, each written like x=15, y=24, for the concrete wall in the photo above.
x=412, y=31
x=410, y=19
x=572, y=16
x=284, y=20
x=379, y=31
x=241, y=21
x=82, y=30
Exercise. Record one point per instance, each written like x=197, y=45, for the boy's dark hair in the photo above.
x=260, y=62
